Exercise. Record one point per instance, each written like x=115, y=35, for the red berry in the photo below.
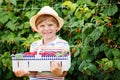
x=109, y=24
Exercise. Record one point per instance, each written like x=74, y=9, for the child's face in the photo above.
x=47, y=29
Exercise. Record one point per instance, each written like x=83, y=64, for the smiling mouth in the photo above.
x=47, y=33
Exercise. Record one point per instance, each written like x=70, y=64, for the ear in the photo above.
x=57, y=29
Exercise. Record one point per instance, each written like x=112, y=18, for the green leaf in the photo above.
x=105, y=59
x=102, y=47
x=100, y=62
x=95, y=34
x=26, y=25
x=7, y=1
x=111, y=10
x=10, y=25
x=84, y=1
x=5, y=36
x=3, y=19
x=108, y=52
x=116, y=52
x=6, y=54
x=107, y=64
x=13, y=2
x=77, y=53
x=67, y=3
x=117, y=63
x=19, y=56
x=1, y=1
x=73, y=7
x=104, y=1
x=105, y=67
x=118, y=66
x=25, y=3
x=82, y=65
x=85, y=52
x=87, y=40
x=92, y=68
x=8, y=36
x=12, y=17
x=88, y=15
x=96, y=51
x=87, y=26
x=17, y=40
x=101, y=29
x=78, y=15
x=29, y=14
x=110, y=64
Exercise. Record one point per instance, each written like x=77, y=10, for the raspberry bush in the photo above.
x=91, y=27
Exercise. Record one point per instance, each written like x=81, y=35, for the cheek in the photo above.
x=40, y=30
x=56, y=29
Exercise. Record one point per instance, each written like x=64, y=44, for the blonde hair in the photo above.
x=42, y=18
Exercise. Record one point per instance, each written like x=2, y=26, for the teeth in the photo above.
x=47, y=32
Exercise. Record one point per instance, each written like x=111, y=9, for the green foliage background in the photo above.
x=92, y=28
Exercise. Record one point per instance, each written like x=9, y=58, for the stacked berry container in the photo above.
x=40, y=60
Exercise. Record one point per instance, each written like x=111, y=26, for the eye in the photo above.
x=41, y=26
x=50, y=24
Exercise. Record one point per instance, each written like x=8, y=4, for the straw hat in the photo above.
x=49, y=11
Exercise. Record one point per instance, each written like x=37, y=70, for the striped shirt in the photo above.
x=56, y=44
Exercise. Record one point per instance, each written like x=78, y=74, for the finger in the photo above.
x=53, y=64
x=17, y=73
x=59, y=64
x=20, y=73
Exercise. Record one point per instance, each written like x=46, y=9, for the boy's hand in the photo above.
x=21, y=73
x=56, y=68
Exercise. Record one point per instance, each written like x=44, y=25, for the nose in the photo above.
x=46, y=27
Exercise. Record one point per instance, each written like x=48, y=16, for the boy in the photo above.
x=47, y=23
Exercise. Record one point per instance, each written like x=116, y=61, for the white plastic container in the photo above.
x=40, y=63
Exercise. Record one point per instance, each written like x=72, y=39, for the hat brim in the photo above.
x=33, y=20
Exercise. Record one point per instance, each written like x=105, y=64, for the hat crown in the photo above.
x=47, y=10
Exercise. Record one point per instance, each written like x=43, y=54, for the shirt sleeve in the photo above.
x=63, y=44
x=32, y=47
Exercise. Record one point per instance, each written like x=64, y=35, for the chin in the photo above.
x=47, y=37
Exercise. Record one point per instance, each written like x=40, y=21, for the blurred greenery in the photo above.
x=92, y=28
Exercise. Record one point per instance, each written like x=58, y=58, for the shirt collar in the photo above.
x=52, y=42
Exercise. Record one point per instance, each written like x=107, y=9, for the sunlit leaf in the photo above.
x=14, y=2
x=73, y=7
x=29, y=14
x=77, y=53
x=88, y=15
x=105, y=59
x=110, y=64
x=3, y=19
x=26, y=25
x=1, y=2
x=111, y=10
x=10, y=25
x=67, y=3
